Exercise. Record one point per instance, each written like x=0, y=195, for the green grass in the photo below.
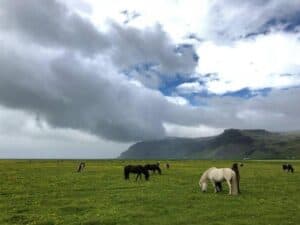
x=51, y=192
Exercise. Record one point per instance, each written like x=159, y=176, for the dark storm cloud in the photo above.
x=51, y=24
x=151, y=45
x=70, y=94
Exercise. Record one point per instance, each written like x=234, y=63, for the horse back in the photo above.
x=216, y=174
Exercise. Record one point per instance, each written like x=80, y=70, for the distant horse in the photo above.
x=167, y=165
x=216, y=175
x=81, y=167
x=288, y=168
x=153, y=167
x=138, y=169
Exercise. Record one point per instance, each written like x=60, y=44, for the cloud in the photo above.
x=229, y=20
x=256, y=63
x=151, y=45
x=71, y=94
x=222, y=21
x=23, y=135
x=174, y=130
x=51, y=24
x=189, y=88
x=177, y=100
x=277, y=111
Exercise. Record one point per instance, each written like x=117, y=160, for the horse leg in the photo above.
x=229, y=186
x=137, y=176
x=214, y=185
x=218, y=186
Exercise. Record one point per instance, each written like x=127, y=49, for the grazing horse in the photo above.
x=153, y=167
x=167, y=165
x=288, y=168
x=138, y=169
x=216, y=175
x=81, y=167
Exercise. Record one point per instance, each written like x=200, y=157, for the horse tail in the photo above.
x=234, y=184
x=126, y=173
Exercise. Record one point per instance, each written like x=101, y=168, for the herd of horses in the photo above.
x=213, y=175
x=139, y=170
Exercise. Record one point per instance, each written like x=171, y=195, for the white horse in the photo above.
x=218, y=175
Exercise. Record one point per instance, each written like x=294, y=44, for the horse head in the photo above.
x=203, y=186
x=203, y=182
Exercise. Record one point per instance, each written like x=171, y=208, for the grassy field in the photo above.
x=51, y=192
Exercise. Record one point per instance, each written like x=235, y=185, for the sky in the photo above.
x=87, y=79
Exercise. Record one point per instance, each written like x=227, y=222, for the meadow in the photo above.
x=52, y=192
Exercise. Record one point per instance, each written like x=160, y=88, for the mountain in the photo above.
x=231, y=144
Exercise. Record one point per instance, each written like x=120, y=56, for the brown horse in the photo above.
x=81, y=167
x=235, y=168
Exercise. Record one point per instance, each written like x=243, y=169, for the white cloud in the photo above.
x=189, y=88
x=177, y=100
x=178, y=18
x=175, y=130
x=255, y=63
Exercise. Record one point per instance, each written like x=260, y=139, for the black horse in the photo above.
x=138, y=169
x=288, y=168
x=153, y=167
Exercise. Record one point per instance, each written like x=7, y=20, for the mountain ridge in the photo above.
x=231, y=144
